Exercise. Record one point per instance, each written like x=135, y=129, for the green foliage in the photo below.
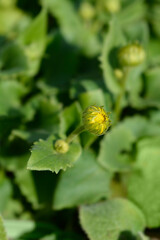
x=114, y=143
x=145, y=180
x=57, y=58
x=106, y=220
x=45, y=157
x=86, y=183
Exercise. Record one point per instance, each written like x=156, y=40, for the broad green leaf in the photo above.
x=85, y=183
x=44, y=156
x=71, y=26
x=33, y=41
x=44, y=114
x=108, y=57
x=141, y=126
x=106, y=220
x=11, y=93
x=3, y=235
x=143, y=183
x=33, y=187
x=115, y=142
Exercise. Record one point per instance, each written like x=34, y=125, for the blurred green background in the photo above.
x=58, y=57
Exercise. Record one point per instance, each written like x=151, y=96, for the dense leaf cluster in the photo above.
x=56, y=59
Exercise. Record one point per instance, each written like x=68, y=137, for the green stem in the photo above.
x=118, y=104
x=76, y=132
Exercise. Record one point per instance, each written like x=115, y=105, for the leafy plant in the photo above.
x=79, y=119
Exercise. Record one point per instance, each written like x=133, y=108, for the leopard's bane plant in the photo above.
x=131, y=55
x=94, y=119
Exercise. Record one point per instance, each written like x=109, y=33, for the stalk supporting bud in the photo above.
x=61, y=146
x=96, y=120
x=131, y=55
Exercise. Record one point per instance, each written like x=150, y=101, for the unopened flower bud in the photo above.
x=61, y=146
x=96, y=120
x=87, y=11
x=118, y=73
x=131, y=55
x=112, y=6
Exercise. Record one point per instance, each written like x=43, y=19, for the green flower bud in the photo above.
x=87, y=11
x=118, y=73
x=61, y=146
x=131, y=55
x=96, y=120
x=112, y=6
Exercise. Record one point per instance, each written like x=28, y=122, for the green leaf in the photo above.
x=33, y=187
x=11, y=93
x=13, y=62
x=152, y=86
x=153, y=52
x=71, y=26
x=5, y=192
x=85, y=183
x=45, y=157
x=71, y=117
x=138, y=32
x=22, y=229
x=94, y=97
x=9, y=18
x=115, y=142
x=143, y=183
x=141, y=126
x=134, y=11
x=3, y=235
x=106, y=220
x=33, y=41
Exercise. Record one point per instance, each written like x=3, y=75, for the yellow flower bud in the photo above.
x=131, y=55
x=61, y=146
x=87, y=11
x=96, y=120
x=112, y=6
